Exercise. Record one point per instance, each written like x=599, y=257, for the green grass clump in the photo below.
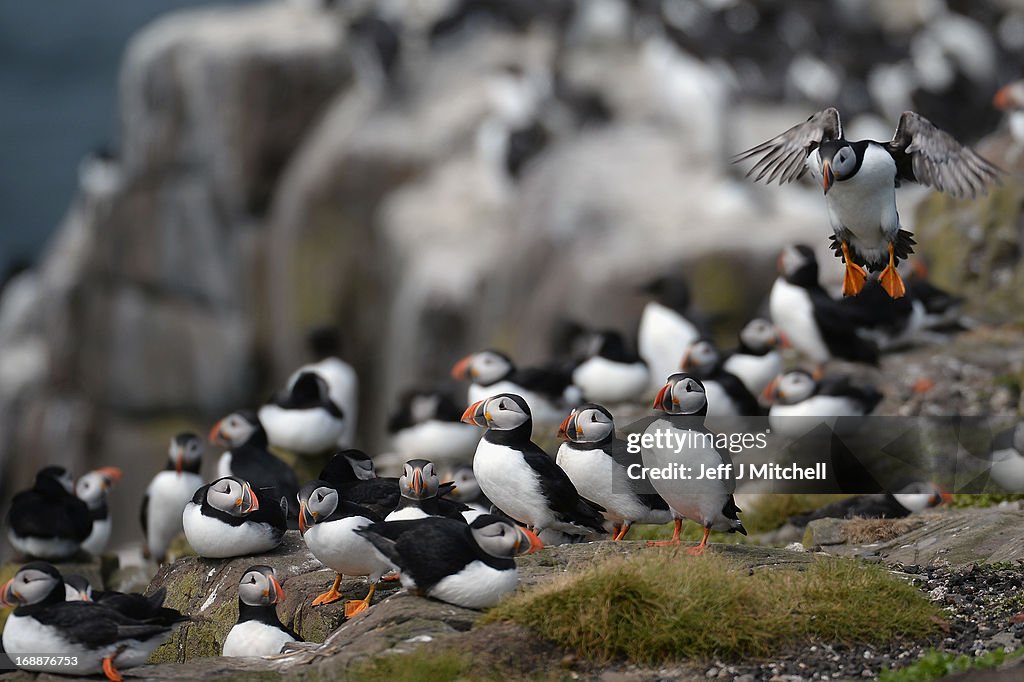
x=417, y=666
x=935, y=665
x=658, y=607
x=960, y=501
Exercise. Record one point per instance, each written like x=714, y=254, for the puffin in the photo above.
x=418, y=486
x=228, y=518
x=467, y=490
x=328, y=524
x=756, y=360
x=1007, y=468
x=48, y=521
x=468, y=565
x=910, y=499
x=89, y=637
x=352, y=473
x=1010, y=99
x=302, y=418
x=249, y=458
x=667, y=327
x=427, y=424
x=92, y=488
x=168, y=493
x=814, y=323
x=709, y=502
x=727, y=395
x=324, y=343
x=258, y=631
x=859, y=179
x=138, y=606
x=799, y=402
x=597, y=463
x=612, y=372
x=520, y=478
x=547, y=391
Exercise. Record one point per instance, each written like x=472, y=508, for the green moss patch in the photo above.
x=662, y=607
x=418, y=666
x=960, y=501
x=935, y=665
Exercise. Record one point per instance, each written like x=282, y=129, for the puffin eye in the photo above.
x=319, y=497
x=501, y=405
x=593, y=416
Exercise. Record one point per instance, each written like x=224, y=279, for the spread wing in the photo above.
x=933, y=157
x=784, y=156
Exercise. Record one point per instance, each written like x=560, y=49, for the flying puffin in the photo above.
x=92, y=488
x=328, y=524
x=258, y=631
x=468, y=565
x=913, y=498
x=302, y=418
x=709, y=502
x=352, y=473
x=667, y=328
x=227, y=518
x=1007, y=458
x=812, y=321
x=427, y=425
x=419, y=487
x=756, y=361
x=611, y=373
x=48, y=521
x=168, y=493
x=519, y=477
x=597, y=463
x=799, y=402
x=545, y=390
x=726, y=394
x=860, y=180
x=249, y=459
x=88, y=637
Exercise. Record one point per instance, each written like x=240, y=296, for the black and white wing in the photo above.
x=932, y=157
x=785, y=156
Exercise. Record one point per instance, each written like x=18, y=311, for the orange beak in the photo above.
x=215, y=435
x=417, y=485
x=827, y=177
x=684, y=364
x=461, y=370
x=533, y=541
x=112, y=474
x=277, y=589
x=659, y=400
x=563, y=428
x=1001, y=101
x=944, y=497
x=784, y=340
x=303, y=526
x=254, y=503
x=179, y=463
x=771, y=391
x=4, y=591
x=474, y=414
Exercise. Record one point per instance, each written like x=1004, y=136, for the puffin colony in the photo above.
x=459, y=544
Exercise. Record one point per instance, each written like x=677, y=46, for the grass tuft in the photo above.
x=860, y=531
x=656, y=607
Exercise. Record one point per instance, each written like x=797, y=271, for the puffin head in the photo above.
x=419, y=480
x=92, y=488
x=236, y=429
x=232, y=496
x=590, y=423
x=790, y=388
x=317, y=501
x=259, y=587
x=838, y=162
x=682, y=394
x=700, y=358
x=502, y=412
x=484, y=368
x=499, y=538
x=35, y=583
x=759, y=336
x=185, y=453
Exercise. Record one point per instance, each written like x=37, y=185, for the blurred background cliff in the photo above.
x=432, y=176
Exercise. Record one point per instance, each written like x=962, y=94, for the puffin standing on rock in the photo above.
x=860, y=178
x=709, y=502
x=471, y=566
x=48, y=521
x=78, y=637
x=597, y=463
x=520, y=478
x=168, y=493
x=258, y=630
x=228, y=518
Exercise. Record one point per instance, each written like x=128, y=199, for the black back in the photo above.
x=48, y=510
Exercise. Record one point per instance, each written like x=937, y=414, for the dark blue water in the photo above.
x=59, y=63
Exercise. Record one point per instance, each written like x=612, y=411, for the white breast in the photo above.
x=407, y=514
x=604, y=381
x=755, y=371
x=477, y=586
x=1008, y=470
x=168, y=492
x=214, y=539
x=440, y=442
x=698, y=500
x=98, y=538
x=662, y=338
x=336, y=545
x=865, y=204
x=793, y=313
x=342, y=389
x=511, y=485
x=793, y=421
x=599, y=479
x=53, y=549
x=253, y=638
x=311, y=431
